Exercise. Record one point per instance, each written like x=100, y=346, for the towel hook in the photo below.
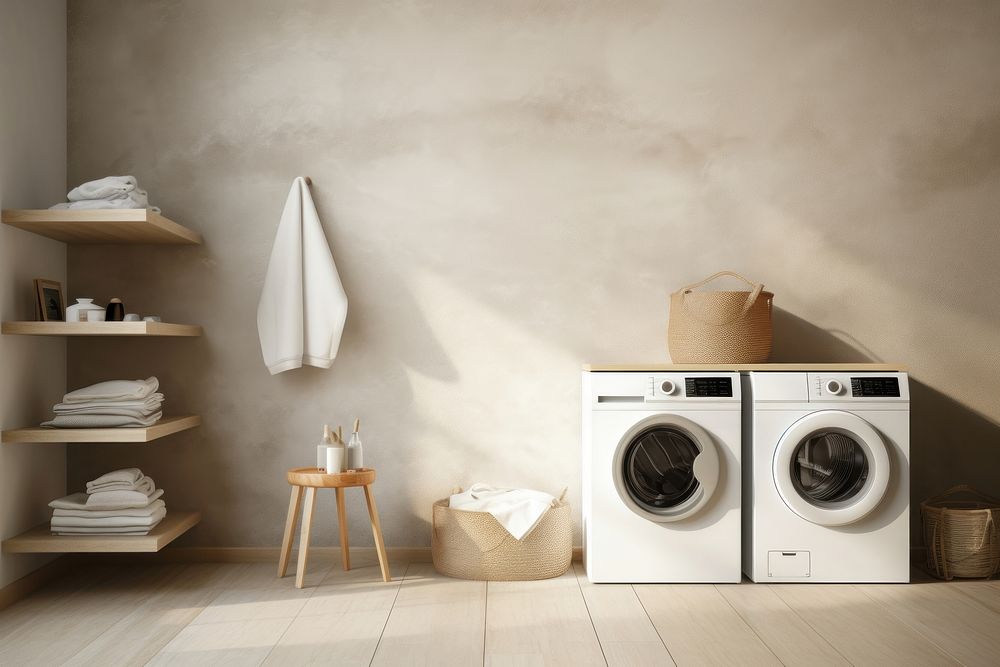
x=308, y=180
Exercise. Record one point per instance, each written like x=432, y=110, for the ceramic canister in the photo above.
x=80, y=311
x=115, y=311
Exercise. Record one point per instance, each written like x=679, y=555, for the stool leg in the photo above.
x=345, y=552
x=307, y=519
x=293, y=518
x=383, y=559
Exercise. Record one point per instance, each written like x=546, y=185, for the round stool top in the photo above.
x=318, y=477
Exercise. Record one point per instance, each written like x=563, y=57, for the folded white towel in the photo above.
x=100, y=531
x=149, y=404
x=145, y=485
x=102, y=421
x=97, y=204
x=114, y=390
x=78, y=501
x=517, y=510
x=76, y=530
x=128, y=475
x=110, y=499
x=115, y=412
x=134, y=522
x=103, y=188
x=137, y=199
x=148, y=510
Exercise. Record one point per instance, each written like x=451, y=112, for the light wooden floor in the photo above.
x=240, y=614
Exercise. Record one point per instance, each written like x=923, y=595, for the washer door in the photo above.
x=831, y=468
x=666, y=468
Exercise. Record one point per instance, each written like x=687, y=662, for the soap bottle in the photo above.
x=355, y=460
x=327, y=441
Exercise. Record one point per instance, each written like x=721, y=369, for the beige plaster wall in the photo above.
x=512, y=189
x=32, y=175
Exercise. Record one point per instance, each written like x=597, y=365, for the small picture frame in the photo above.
x=50, y=300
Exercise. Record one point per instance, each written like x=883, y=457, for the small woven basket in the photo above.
x=720, y=327
x=962, y=534
x=474, y=545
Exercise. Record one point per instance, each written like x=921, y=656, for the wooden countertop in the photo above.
x=736, y=368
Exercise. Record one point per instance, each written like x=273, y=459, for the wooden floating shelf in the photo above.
x=41, y=540
x=40, y=435
x=735, y=368
x=99, y=329
x=102, y=226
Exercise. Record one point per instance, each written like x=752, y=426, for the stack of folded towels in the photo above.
x=116, y=403
x=123, y=502
x=109, y=192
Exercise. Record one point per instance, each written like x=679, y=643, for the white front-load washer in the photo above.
x=661, y=467
x=826, y=477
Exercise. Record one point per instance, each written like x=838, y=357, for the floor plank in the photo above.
x=237, y=643
x=699, y=627
x=540, y=622
x=57, y=634
x=956, y=623
x=435, y=621
x=986, y=593
x=790, y=638
x=140, y=635
x=626, y=634
x=344, y=617
x=859, y=627
x=244, y=605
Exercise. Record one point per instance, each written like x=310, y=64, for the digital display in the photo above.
x=874, y=387
x=708, y=387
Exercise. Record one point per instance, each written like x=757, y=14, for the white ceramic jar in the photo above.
x=79, y=310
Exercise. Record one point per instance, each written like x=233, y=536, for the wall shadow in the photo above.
x=950, y=443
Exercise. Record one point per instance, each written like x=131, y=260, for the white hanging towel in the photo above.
x=517, y=510
x=303, y=307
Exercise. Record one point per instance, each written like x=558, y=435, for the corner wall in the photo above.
x=32, y=175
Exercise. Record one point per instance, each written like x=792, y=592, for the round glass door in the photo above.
x=659, y=468
x=831, y=468
x=666, y=468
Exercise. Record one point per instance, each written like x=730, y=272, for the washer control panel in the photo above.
x=682, y=386
x=708, y=387
x=858, y=386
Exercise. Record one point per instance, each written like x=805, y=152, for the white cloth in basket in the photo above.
x=517, y=510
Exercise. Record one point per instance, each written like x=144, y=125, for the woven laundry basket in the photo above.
x=719, y=327
x=474, y=545
x=962, y=533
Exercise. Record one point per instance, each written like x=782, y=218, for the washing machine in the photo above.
x=826, y=477
x=661, y=487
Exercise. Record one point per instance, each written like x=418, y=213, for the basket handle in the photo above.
x=562, y=494
x=755, y=290
x=963, y=488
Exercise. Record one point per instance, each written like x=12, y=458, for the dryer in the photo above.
x=661, y=467
x=826, y=477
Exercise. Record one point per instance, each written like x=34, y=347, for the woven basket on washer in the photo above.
x=720, y=327
x=962, y=535
x=474, y=545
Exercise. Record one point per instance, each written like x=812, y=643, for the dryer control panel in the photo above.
x=858, y=387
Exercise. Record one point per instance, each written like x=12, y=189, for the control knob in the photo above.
x=668, y=387
x=834, y=387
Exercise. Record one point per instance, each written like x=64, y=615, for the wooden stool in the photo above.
x=310, y=479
